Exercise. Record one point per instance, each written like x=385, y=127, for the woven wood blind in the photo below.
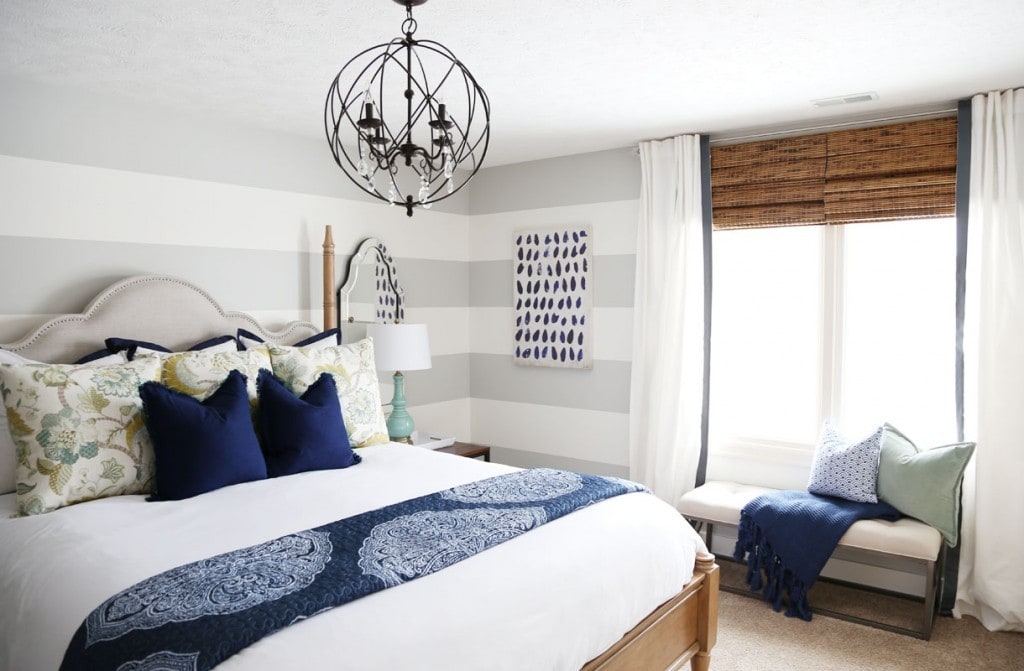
x=901, y=171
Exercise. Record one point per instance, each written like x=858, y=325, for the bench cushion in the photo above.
x=720, y=502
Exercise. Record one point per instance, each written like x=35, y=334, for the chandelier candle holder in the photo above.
x=406, y=121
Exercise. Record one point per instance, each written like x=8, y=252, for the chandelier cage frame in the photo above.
x=448, y=162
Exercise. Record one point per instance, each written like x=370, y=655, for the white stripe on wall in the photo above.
x=587, y=435
x=448, y=328
x=447, y=418
x=60, y=200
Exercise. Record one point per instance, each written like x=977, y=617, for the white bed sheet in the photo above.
x=553, y=598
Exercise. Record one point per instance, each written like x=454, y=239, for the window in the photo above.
x=853, y=323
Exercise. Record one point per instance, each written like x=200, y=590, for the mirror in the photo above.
x=371, y=291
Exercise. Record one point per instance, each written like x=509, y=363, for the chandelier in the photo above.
x=406, y=121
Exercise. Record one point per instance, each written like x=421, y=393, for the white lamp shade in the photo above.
x=400, y=347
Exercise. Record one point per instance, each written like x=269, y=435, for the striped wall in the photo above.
x=93, y=190
x=576, y=419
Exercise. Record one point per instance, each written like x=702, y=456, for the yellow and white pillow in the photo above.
x=78, y=432
x=201, y=373
x=355, y=375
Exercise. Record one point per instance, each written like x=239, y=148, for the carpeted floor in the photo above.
x=752, y=637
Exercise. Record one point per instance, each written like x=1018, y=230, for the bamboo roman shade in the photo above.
x=900, y=171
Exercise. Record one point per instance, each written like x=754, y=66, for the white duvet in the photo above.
x=553, y=598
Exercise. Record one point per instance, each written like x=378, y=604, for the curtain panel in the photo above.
x=990, y=585
x=667, y=380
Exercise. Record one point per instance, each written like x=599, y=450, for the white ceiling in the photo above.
x=563, y=76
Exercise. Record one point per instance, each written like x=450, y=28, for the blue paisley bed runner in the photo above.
x=195, y=616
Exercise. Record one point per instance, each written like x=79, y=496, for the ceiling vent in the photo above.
x=846, y=99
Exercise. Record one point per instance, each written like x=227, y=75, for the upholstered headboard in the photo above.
x=158, y=308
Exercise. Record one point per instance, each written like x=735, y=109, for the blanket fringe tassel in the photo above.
x=766, y=574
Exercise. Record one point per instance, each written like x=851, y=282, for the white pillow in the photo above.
x=324, y=339
x=227, y=346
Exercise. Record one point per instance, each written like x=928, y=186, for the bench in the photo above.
x=913, y=541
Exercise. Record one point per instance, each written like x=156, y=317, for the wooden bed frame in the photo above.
x=681, y=630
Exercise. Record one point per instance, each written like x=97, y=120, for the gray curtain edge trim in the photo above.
x=963, y=195
x=705, y=203
x=951, y=566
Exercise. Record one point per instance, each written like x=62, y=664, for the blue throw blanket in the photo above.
x=196, y=616
x=789, y=536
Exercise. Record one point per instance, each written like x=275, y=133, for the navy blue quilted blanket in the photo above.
x=788, y=536
x=196, y=616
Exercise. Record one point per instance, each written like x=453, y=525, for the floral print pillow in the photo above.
x=78, y=432
x=201, y=373
x=355, y=374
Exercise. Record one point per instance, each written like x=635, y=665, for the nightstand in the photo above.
x=467, y=450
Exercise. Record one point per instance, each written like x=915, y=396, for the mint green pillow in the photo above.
x=923, y=483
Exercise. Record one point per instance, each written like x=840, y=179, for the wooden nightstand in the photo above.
x=467, y=450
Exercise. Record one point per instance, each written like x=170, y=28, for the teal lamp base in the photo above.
x=400, y=424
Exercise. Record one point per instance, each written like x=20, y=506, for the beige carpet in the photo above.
x=752, y=637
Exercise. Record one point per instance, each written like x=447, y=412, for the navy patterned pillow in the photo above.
x=844, y=469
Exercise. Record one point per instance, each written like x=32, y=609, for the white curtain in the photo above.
x=991, y=583
x=666, y=389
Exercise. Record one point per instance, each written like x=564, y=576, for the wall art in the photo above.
x=551, y=285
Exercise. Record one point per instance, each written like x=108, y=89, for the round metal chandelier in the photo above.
x=404, y=120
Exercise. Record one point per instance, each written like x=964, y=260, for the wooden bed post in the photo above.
x=330, y=301
x=707, y=622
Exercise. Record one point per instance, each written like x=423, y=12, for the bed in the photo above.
x=620, y=584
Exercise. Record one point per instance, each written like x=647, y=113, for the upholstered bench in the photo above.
x=721, y=502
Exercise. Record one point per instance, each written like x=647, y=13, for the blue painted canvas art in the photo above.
x=551, y=285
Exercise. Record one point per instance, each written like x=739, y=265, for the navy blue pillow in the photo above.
x=304, y=433
x=201, y=445
x=335, y=333
x=129, y=345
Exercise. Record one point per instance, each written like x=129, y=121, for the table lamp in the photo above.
x=400, y=347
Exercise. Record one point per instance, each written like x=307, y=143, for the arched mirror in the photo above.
x=371, y=291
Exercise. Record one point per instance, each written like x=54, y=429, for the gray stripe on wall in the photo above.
x=427, y=283
x=70, y=126
x=525, y=459
x=434, y=284
x=605, y=387
x=49, y=273
x=446, y=380
x=237, y=278
x=490, y=282
x=597, y=177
